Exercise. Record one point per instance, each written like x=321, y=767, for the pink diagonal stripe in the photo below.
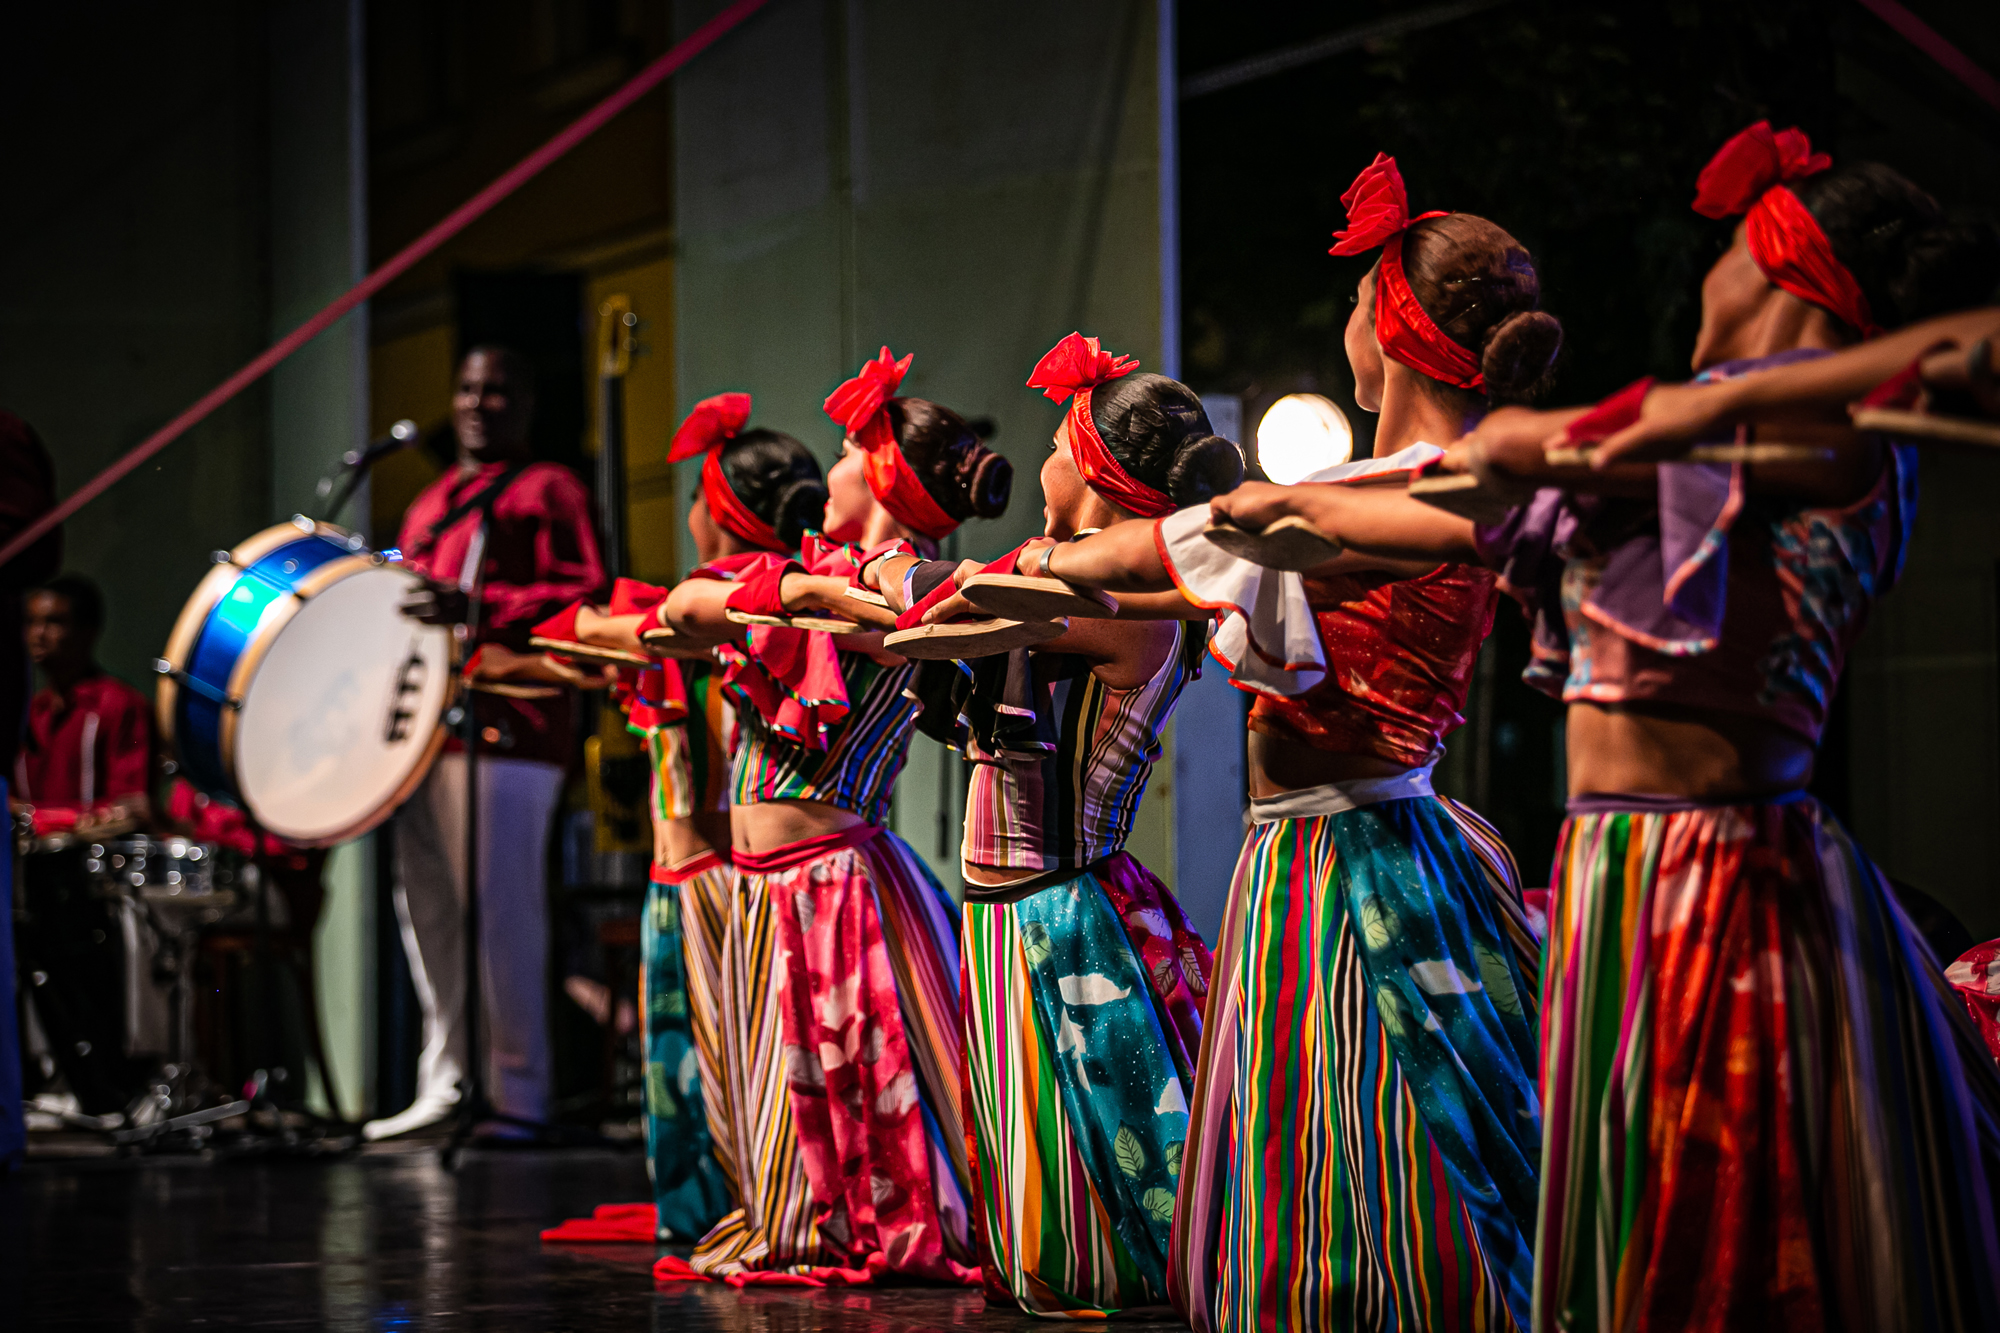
x=1926, y=39
x=462, y=217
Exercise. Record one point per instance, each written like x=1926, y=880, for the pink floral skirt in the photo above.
x=842, y=1052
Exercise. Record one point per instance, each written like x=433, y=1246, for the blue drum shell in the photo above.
x=228, y=627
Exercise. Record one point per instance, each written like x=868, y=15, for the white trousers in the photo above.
x=517, y=797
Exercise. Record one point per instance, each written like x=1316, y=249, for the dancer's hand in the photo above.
x=497, y=662
x=1963, y=376
x=1673, y=419
x=956, y=605
x=828, y=593
x=1255, y=505
x=436, y=603
x=607, y=631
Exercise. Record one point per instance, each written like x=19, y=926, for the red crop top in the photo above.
x=1399, y=658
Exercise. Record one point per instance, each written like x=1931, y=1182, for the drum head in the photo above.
x=338, y=722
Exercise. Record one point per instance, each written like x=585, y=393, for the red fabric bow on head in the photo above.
x=1750, y=175
x=860, y=406
x=713, y=423
x=1077, y=364
x=1070, y=370
x=1378, y=213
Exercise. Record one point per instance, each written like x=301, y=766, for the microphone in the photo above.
x=401, y=436
x=356, y=462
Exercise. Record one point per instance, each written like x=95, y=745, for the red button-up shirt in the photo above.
x=87, y=747
x=540, y=555
x=27, y=491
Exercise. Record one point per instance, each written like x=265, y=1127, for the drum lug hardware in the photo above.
x=304, y=524
x=200, y=687
x=219, y=557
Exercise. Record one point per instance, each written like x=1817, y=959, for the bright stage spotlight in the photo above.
x=1301, y=434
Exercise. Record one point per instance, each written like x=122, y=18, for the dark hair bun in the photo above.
x=967, y=479
x=778, y=480
x=1480, y=286
x=1203, y=469
x=1519, y=358
x=1159, y=432
x=991, y=486
x=799, y=508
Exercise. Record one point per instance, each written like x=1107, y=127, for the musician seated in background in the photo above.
x=86, y=759
x=504, y=542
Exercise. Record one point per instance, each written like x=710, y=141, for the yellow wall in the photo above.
x=651, y=517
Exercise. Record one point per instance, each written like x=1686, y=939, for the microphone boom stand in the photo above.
x=474, y=1106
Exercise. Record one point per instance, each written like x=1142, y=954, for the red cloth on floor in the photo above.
x=610, y=1222
x=673, y=1268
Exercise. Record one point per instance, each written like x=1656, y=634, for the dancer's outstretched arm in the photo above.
x=1379, y=527
x=1677, y=416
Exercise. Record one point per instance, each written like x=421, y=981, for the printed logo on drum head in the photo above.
x=410, y=678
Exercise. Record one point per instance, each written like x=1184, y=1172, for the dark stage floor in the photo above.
x=385, y=1240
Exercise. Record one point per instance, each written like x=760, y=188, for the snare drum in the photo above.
x=296, y=688
x=164, y=871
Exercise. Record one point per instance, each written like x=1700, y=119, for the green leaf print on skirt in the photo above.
x=1121, y=1093
x=1459, y=1017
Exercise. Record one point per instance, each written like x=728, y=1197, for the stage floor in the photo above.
x=383, y=1240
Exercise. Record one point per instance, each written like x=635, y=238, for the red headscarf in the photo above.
x=860, y=405
x=1075, y=366
x=1378, y=213
x=713, y=423
x=1748, y=175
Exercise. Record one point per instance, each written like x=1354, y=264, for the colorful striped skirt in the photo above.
x=1366, y=1126
x=680, y=944
x=842, y=1055
x=1765, y=1107
x=1083, y=1014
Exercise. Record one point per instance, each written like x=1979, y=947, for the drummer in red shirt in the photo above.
x=86, y=760
x=505, y=542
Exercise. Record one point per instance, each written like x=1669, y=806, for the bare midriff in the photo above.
x=678, y=841
x=1279, y=765
x=1671, y=750
x=768, y=825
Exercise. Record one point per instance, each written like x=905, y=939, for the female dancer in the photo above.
x=1763, y=1109
x=678, y=709
x=1366, y=1126
x=758, y=482
x=842, y=967
x=1084, y=981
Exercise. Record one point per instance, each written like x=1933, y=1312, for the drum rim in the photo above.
x=194, y=618
x=246, y=667
x=213, y=587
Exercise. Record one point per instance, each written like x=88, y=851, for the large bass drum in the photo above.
x=294, y=687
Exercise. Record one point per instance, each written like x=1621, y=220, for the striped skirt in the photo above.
x=687, y=1111
x=841, y=1061
x=1766, y=1109
x=1083, y=1014
x=1366, y=1126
